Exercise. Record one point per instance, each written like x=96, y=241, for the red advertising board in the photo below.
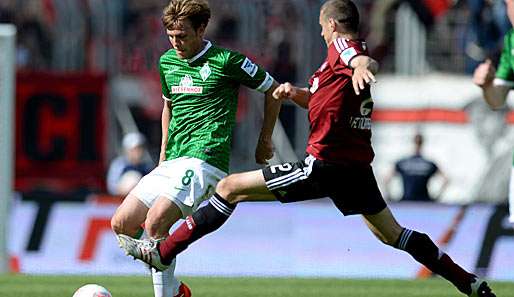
x=60, y=131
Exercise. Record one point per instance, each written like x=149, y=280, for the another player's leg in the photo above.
x=248, y=186
x=423, y=250
x=129, y=217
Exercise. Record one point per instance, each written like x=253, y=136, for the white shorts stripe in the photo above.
x=280, y=178
x=288, y=181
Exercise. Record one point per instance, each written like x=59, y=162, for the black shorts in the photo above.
x=352, y=187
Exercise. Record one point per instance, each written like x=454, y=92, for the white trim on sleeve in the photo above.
x=165, y=98
x=266, y=83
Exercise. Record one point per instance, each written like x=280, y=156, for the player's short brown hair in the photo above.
x=197, y=11
x=344, y=12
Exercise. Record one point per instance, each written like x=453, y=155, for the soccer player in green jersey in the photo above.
x=496, y=84
x=200, y=84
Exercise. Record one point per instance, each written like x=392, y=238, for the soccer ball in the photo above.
x=92, y=290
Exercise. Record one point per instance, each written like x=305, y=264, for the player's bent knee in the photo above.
x=227, y=188
x=120, y=227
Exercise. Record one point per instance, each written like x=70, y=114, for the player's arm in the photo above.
x=166, y=113
x=300, y=96
x=495, y=93
x=264, y=150
x=165, y=124
x=364, y=70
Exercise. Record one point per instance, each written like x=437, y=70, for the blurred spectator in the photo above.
x=487, y=25
x=428, y=11
x=6, y=12
x=126, y=170
x=284, y=68
x=416, y=172
x=34, y=44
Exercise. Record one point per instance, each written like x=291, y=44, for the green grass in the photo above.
x=64, y=286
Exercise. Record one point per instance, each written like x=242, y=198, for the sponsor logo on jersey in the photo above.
x=364, y=122
x=348, y=54
x=315, y=85
x=366, y=106
x=249, y=67
x=360, y=123
x=205, y=71
x=186, y=86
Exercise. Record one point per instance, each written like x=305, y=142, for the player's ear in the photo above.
x=333, y=25
x=201, y=30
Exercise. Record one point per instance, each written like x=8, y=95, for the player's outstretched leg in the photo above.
x=204, y=221
x=235, y=188
x=423, y=250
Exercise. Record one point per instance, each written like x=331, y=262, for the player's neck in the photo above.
x=350, y=36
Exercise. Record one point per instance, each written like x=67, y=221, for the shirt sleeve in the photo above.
x=242, y=70
x=505, y=73
x=164, y=86
x=342, y=51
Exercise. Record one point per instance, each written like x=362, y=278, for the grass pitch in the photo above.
x=64, y=286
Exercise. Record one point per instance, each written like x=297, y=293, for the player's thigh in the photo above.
x=129, y=216
x=161, y=216
x=384, y=226
x=246, y=186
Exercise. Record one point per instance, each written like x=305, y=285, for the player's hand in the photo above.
x=284, y=91
x=264, y=150
x=162, y=157
x=362, y=76
x=484, y=73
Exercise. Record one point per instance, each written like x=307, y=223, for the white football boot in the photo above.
x=142, y=249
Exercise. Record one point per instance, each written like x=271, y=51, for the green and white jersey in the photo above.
x=203, y=92
x=505, y=72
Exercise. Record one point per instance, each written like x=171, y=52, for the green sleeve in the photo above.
x=505, y=71
x=242, y=70
x=164, y=86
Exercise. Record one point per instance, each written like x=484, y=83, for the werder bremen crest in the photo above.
x=186, y=86
x=205, y=71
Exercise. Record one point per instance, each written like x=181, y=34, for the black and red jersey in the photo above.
x=340, y=120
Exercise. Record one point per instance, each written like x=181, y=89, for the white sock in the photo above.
x=165, y=284
x=511, y=196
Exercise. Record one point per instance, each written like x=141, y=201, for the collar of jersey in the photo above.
x=207, y=46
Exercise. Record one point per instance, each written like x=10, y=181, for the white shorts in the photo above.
x=186, y=181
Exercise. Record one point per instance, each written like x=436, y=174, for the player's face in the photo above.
x=510, y=10
x=326, y=29
x=186, y=41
